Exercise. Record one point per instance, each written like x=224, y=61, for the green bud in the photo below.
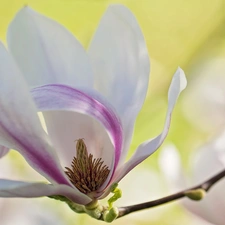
x=117, y=194
x=110, y=215
x=95, y=212
x=196, y=195
x=92, y=205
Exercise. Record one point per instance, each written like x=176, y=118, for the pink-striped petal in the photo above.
x=147, y=148
x=3, y=151
x=46, y=52
x=121, y=65
x=20, y=128
x=67, y=99
x=19, y=189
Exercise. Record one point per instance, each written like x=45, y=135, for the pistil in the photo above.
x=87, y=174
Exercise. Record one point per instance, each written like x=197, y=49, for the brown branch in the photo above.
x=205, y=186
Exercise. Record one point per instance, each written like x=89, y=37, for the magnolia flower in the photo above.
x=205, y=163
x=89, y=97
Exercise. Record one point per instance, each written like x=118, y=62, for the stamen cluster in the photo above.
x=86, y=174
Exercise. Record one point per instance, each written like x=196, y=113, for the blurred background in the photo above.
x=189, y=34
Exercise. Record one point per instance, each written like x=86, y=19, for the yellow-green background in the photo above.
x=178, y=33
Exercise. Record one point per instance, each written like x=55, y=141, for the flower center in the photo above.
x=86, y=174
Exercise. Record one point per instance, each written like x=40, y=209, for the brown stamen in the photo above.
x=86, y=174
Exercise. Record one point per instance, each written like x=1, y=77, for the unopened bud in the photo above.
x=196, y=195
x=94, y=209
x=110, y=215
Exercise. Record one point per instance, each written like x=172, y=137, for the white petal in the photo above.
x=10, y=188
x=46, y=52
x=147, y=148
x=121, y=65
x=20, y=128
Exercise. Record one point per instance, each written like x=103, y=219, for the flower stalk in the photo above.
x=109, y=214
x=192, y=193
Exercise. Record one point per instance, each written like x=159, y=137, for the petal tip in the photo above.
x=119, y=10
x=20, y=15
x=182, y=78
x=26, y=10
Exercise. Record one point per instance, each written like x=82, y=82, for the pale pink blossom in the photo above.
x=92, y=95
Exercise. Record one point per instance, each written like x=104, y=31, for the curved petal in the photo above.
x=20, y=189
x=20, y=127
x=147, y=148
x=121, y=65
x=64, y=98
x=3, y=151
x=46, y=52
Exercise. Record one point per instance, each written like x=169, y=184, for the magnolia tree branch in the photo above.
x=194, y=193
x=110, y=213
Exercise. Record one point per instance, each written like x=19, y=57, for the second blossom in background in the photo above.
x=205, y=163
